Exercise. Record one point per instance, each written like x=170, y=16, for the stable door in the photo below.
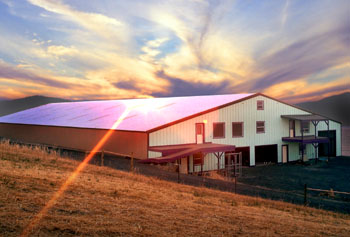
x=284, y=153
x=199, y=133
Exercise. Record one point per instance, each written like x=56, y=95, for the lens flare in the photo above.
x=73, y=176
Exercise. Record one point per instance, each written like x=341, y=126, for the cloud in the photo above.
x=284, y=13
x=179, y=87
x=305, y=57
x=17, y=73
x=119, y=49
x=127, y=85
x=59, y=50
x=318, y=94
x=105, y=26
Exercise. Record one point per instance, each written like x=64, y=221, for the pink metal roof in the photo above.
x=143, y=115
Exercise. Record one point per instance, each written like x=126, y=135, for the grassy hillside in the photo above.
x=335, y=107
x=107, y=202
x=13, y=106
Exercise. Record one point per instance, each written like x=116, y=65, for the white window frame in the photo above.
x=260, y=105
x=259, y=127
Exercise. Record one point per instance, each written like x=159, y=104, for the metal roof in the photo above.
x=169, y=154
x=306, y=139
x=143, y=115
x=305, y=117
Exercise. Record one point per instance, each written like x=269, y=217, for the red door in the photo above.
x=199, y=133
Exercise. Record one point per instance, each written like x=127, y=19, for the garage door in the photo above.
x=323, y=147
x=266, y=153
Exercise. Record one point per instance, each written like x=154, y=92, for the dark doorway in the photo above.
x=323, y=147
x=291, y=128
x=266, y=153
x=245, y=155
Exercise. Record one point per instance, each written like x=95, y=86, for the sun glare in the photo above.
x=35, y=221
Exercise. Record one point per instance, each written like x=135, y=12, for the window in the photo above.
x=305, y=126
x=260, y=105
x=198, y=159
x=260, y=127
x=219, y=130
x=237, y=129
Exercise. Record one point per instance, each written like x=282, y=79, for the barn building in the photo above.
x=191, y=130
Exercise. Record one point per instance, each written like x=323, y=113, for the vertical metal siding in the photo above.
x=122, y=142
x=245, y=111
x=154, y=154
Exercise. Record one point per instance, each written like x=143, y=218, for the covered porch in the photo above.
x=307, y=138
x=181, y=153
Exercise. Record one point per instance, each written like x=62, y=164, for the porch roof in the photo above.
x=306, y=139
x=172, y=153
x=305, y=117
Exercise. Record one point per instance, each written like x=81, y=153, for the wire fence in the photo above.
x=325, y=193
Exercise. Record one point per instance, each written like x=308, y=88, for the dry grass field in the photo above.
x=107, y=202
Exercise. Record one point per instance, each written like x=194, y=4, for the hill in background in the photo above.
x=13, y=106
x=336, y=107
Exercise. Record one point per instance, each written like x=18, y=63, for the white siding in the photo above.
x=154, y=154
x=245, y=111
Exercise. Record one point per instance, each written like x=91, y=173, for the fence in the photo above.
x=329, y=193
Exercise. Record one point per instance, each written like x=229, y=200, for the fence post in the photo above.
x=132, y=163
x=305, y=194
x=235, y=184
x=102, y=156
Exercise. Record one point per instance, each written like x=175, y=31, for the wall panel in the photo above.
x=127, y=143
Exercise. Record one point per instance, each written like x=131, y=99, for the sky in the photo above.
x=108, y=49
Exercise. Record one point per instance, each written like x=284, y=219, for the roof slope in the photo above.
x=143, y=115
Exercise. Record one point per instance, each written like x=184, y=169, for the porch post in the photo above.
x=329, y=140
x=315, y=123
x=302, y=141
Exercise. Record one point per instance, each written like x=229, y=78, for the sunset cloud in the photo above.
x=130, y=49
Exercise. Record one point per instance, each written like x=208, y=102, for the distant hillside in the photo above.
x=13, y=106
x=336, y=107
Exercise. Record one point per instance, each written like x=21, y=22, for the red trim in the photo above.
x=40, y=125
x=228, y=104
x=203, y=130
x=242, y=129
x=188, y=150
x=203, y=112
x=194, y=115
x=147, y=145
x=154, y=148
x=223, y=130
x=257, y=126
